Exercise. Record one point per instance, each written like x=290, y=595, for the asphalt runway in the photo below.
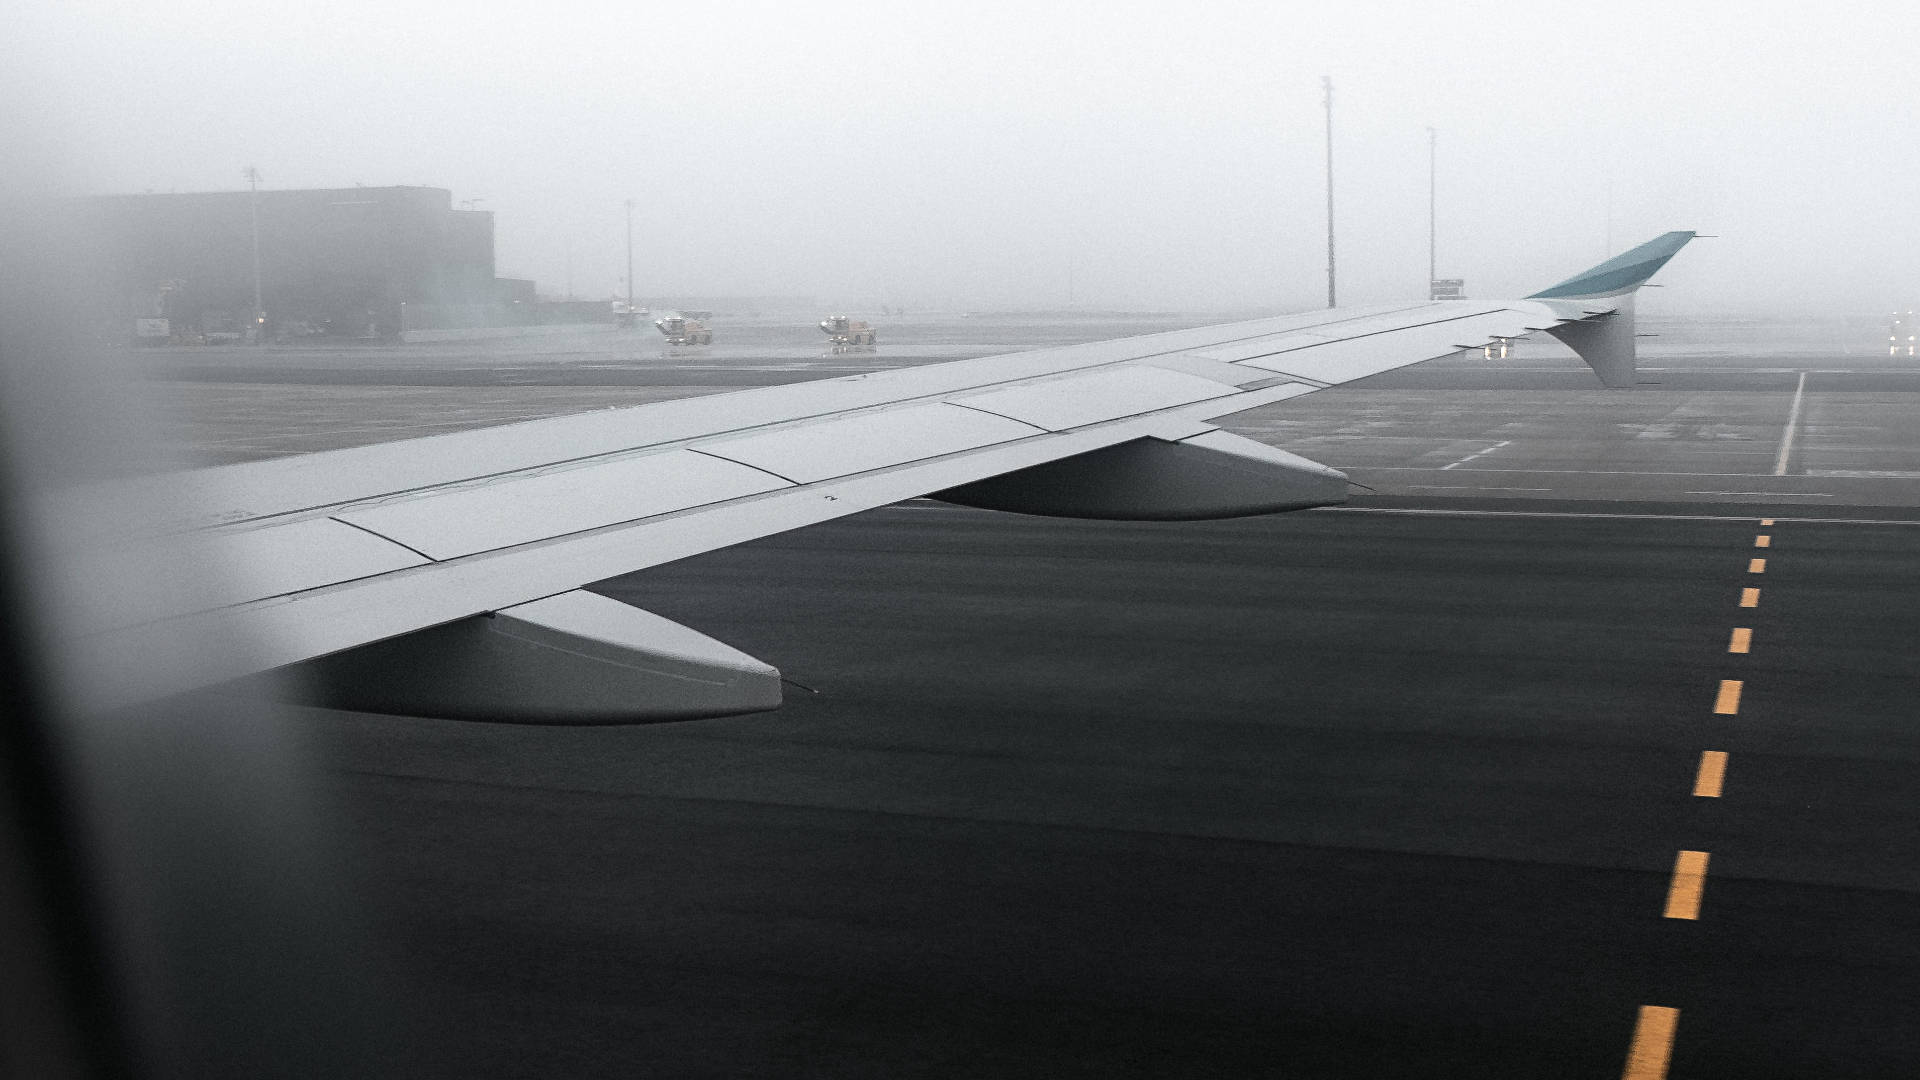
x=1398, y=789
x=1328, y=794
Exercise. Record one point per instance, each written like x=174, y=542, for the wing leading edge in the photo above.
x=446, y=556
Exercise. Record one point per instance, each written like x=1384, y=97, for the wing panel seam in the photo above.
x=744, y=464
x=1281, y=375
x=382, y=536
x=1003, y=416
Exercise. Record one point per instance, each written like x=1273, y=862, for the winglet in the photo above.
x=1623, y=273
x=1603, y=333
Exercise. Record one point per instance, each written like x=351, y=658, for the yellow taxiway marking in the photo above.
x=1749, y=597
x=1756, y=566
x=1763, y=540
x=1689, y=881
x=1652, y=1043
x=1742, y=639
x=1713, y=774
x=1766, y=521
x=1727, y=702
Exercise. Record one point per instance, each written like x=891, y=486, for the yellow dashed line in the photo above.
x=1727, y=702
x=1652, y=1047
x=1689, y=881
x=1713, y=773
x=1652, y=1043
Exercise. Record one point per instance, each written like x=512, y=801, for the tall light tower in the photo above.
x=632, y=319
x=259, y=314
x=1433, y=218
x=1326, y=82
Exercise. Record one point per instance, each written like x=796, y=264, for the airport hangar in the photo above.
x=342, y=262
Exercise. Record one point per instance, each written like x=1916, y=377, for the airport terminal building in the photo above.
x=343, y=262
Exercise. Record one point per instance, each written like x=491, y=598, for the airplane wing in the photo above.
x=443, y=576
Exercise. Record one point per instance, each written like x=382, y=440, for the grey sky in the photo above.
x=964, y=154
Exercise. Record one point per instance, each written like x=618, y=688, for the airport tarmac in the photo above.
x=1398, y=789
x=1323, y=795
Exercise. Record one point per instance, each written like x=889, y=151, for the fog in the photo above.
x=975, y=155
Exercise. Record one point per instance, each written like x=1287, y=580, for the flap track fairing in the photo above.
x=575, y=658
x=1213, y=475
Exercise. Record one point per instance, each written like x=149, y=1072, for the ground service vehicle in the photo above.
x=680, y=330
x=844, y=333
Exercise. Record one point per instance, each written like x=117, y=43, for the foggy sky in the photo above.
x=973, y=155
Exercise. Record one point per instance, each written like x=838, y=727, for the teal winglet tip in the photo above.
x=1622, y=273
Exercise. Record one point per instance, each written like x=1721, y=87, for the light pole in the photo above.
x=632, y=319
x=259, y=315
x=1326, y=81
x=1433, y=219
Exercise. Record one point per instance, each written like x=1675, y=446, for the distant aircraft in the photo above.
x=444, y=576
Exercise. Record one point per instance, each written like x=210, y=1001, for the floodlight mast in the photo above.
x=259, y=314
x=1326, y=82
x=1433, y=216
x=630, y=315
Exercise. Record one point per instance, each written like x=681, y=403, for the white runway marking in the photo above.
x=1771, y=494
x=918, y=505
x=1551, y=472
x=1607, y=516
x=1483, y=453
x=1472, y=487
x=1793, y=427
